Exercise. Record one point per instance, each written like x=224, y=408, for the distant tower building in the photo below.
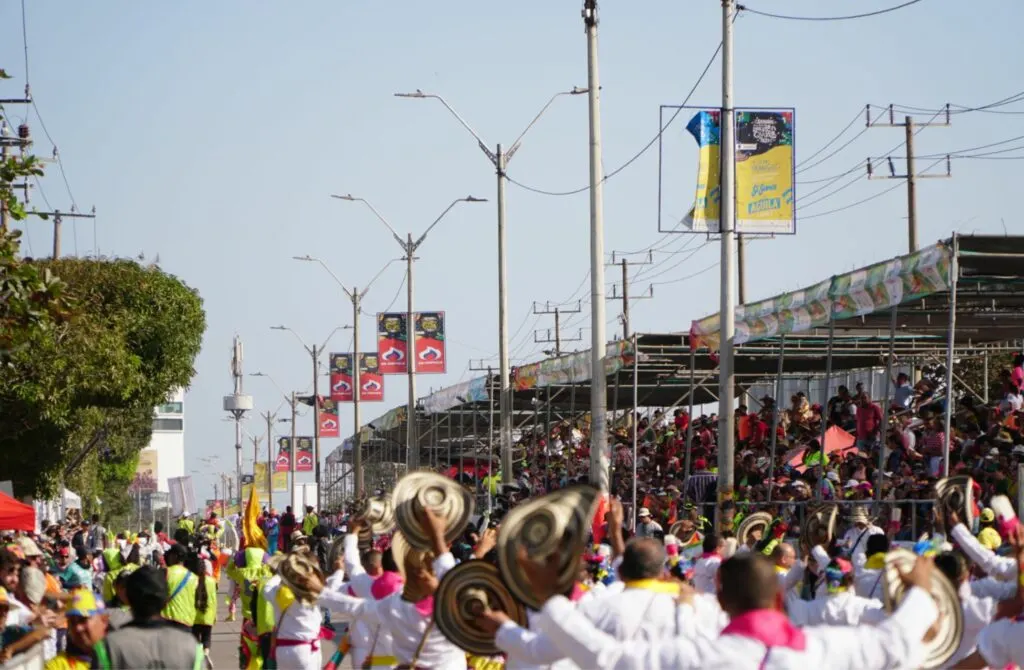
x=164, y=457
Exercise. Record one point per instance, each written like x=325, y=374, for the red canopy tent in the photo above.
x=16, y=515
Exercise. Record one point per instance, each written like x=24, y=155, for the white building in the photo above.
x=164, y=458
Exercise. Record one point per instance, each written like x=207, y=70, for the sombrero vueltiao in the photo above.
x=752, y=522
x=820, y=519
x=466, y=591
x=956, y=494
x=300, y=572
x=557, y=522
x=378, y=513
x=418, y=490
x=685, y=537
x=941, y=647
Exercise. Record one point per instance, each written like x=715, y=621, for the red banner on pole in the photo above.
x=392, y=343
x=341, y=378
x=303, y=454
x=371, y=381
x=330, y=426
x=284, y=454
x=431, y=356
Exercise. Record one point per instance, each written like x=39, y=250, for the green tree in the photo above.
x=80, y=396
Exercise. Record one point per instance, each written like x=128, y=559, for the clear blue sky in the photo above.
x=213, y=133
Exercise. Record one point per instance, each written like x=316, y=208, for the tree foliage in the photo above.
x=80, y=395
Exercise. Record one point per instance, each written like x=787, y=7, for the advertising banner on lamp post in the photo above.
x=431, y=357
x=392, y=343
x=371, y=381
x=341, y=377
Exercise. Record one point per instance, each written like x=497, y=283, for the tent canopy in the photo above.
x=16, y=515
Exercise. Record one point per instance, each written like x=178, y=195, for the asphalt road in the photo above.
x=226, y=635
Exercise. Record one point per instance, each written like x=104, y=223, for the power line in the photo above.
x=848, y=17
x=646, y=147
x=855, y=119
x=861, y=202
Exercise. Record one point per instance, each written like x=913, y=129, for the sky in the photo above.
x=212, y=135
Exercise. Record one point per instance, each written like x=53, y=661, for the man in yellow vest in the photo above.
x=310, y=521
x=181, y=589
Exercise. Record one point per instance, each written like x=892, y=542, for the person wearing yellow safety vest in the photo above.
x=206, y=603
x=150, y=640
x=247, y=569
x=263, y=609
x=181, y=588
x=310, y=521
x=185, y=523
x=113, y=564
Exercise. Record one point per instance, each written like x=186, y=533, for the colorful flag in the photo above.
x=341, y=377
x=705, y=215
x=252, y=534
x=284, y=454
x=371, y=381
x=431, y=356
x=330, y=426
x=392, y=343
x=764, y=171
x=304, y=454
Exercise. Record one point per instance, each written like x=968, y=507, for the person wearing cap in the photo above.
x=86, y=627
x=647, y=526
x=182, y=584
x=150, y=640
x=988, y=536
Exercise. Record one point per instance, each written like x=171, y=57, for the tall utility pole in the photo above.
x=291, y=450
x=557, y=312
x=237, y=404
x=625, y=295
x=910, y=129
x=409, y=247
x=314, y=354
x=8, y=140
x=741, y=269
x=499, y=158
x=356, y=297
x=727, y=318
x=600, y=454
x=58, y=218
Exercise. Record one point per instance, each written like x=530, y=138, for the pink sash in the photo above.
x=769, y=627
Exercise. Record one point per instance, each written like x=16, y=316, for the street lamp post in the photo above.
x=356, y=296
x=499, y=159
x=291, y=402
x=409, y=247
x=314, y=354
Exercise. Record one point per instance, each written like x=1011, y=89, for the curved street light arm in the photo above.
x=422, y=237
x=515, y=144
x=380, y=216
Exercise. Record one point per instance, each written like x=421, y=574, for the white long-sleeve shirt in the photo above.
x=405, y=624
x=840, y=609
x=1000, y=567
x=894, y=644
x=978, y=613
x=859, y=548
x=704, y=571
x=366, y=638
x=1001, y=643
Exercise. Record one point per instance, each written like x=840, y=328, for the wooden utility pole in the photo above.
x=911, y=176
x=624, y=295
x=555, y=336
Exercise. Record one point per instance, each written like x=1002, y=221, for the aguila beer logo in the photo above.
x=429, y=323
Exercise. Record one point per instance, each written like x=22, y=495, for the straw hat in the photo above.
x=300, y=573
x=466, y=591
x=557, y=522
x=751, y=522
x=682, y=536
x=419, y=490
x=378, y=514
x=940, y=648
x=956, y=494
x=820, y=520
x=859, y=514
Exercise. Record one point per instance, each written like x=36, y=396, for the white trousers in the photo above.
x=298, y=658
